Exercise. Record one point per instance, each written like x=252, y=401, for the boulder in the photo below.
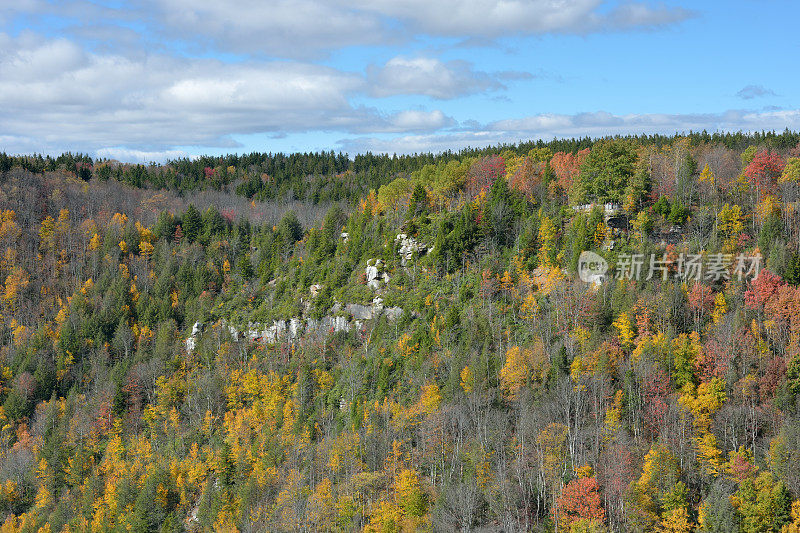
x=375, y=274
x=408, y=247
x=372, y=273
x=359, y=312
x=393, y=313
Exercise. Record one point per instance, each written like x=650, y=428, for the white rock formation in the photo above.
x=375, y=274
x=408, y=247
x=191, y=342
x=289, y=330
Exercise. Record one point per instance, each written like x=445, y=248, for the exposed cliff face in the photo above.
x=342, y=318
x=410, y=246
x=376, y=276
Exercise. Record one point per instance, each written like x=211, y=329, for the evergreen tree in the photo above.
x=419, y=203
x=191, y=223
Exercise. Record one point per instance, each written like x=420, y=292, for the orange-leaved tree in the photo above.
x=763, y=172
x=580, y=500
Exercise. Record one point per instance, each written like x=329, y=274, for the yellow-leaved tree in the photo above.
x=548, y=237
x=729, y=225
x=523, y=366
x=659, y=476
x=624, y=330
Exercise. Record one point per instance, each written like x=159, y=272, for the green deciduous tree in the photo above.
x=606, y=173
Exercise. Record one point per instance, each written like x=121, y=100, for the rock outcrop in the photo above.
x=191, y=341
x=352, y=316
x=408, y=247
x=376, y=276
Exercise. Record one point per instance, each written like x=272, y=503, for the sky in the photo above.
x=149, y=80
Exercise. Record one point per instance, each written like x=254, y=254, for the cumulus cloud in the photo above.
x=302, y=28
x=495, y=18
x=287, y=28
x=637, y=16
x=431, y=77
x=754, y=91
x=428, y=142
x=63, y=96
x=417, y=121
x=600, y=124
x=548, y=126
x=139, y=156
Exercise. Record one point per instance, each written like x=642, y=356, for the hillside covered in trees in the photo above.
x=309, y=342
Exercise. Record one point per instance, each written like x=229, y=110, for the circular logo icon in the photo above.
x=592, y=267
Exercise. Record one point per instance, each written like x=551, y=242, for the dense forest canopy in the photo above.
x=313, y=342
x=311, y=175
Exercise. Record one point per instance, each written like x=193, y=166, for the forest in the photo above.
x=313, y=342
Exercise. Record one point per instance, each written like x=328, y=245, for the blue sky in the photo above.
x=146, y=80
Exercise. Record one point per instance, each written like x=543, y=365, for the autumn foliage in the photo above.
x=483, y=173
x=313, y=342
x=566, y=167
x=580, y=500
x=764, y=170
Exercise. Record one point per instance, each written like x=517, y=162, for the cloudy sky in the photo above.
x=145, y=80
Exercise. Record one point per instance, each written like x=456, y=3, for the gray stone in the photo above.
x=293, y=328
x=372, y=273
x=393, y=313
x=359, y=312
x=408, y=247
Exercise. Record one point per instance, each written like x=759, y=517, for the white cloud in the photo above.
x=303, y=28
x=598, y=124
x=68, y=98
x=285, y=28
x=638, y=15
x=429, y=76
x=495, y=18
x=754, y=91
x=409, y=144
x=601, y=123
x=57, y=96
x=419, y=121
x=139, y=156
x=269, y=87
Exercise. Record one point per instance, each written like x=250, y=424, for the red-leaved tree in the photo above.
x=701, y=300
x=580, y=500
x=713, y=360
x=763, y=172
x=782, y=308
x=762, y=289
x=483, y=173
x=656, y=391
x=566, y=167
x=615, y=472
x=527, y=177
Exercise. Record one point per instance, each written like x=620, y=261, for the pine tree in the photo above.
x=191, y=223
